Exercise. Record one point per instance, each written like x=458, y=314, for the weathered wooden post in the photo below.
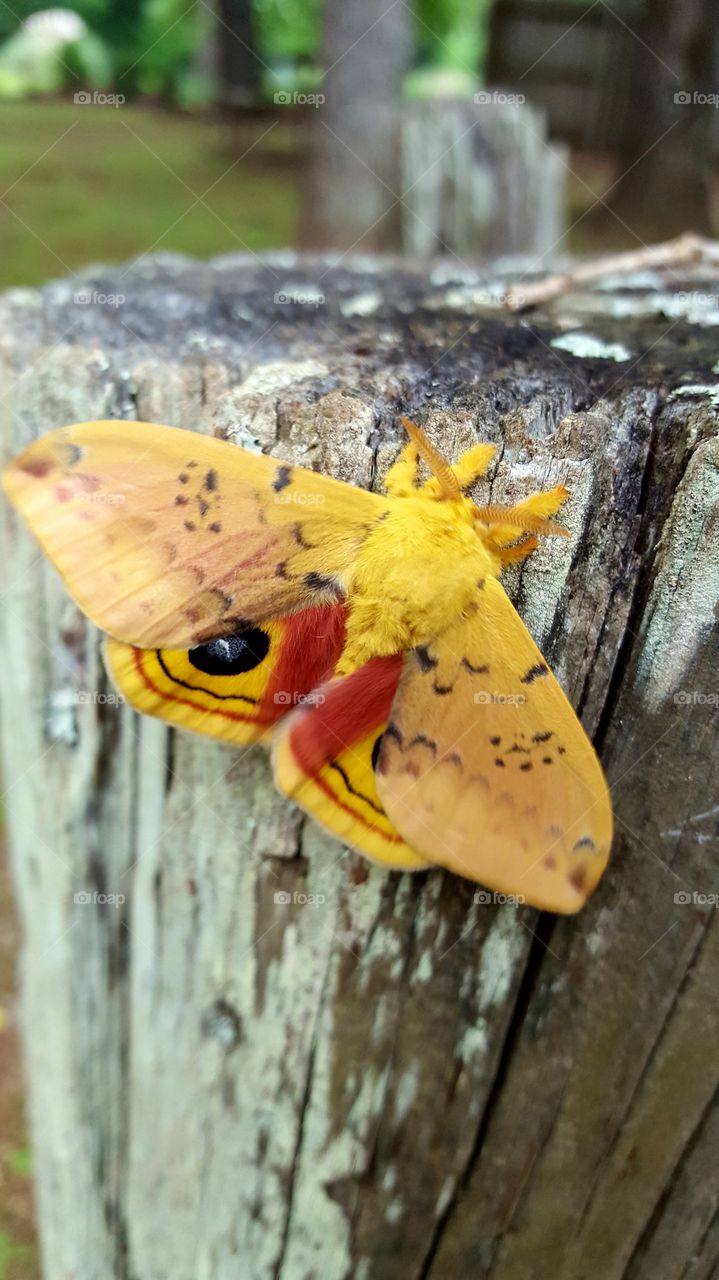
x=480, y=177
x=389, y=1077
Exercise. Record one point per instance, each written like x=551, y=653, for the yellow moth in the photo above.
x=410, y=710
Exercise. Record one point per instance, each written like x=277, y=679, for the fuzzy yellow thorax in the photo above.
x=424, y=562
x=419, y=568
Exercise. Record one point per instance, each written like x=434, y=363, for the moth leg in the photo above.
x=538, y=506
x=473, y=464
x=544, y=504
x=520, y=550
x=401, y=479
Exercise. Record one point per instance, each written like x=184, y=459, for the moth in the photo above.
x=367, y=635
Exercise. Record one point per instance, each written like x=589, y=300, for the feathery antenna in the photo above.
x=438, y=465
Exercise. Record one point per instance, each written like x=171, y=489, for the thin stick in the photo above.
x=686, y=248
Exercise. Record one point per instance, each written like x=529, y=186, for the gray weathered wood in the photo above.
x=480, y=177
x=389, y=1079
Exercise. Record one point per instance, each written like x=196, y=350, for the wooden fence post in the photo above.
x=388, y=1077
x=481, y=178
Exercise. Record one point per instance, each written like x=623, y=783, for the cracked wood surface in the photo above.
x=386, y=1078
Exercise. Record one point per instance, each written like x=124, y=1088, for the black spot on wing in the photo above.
x=393, y=732
x=215, y=527
x=322, y=582
x=283, y=477
x=181, y=500
x=534, y=673
x=586, y=842
x=211, y=480
x=421, y=740
x=424, y=658
x=442, y=689
x=232, y=655
x=198, y=688
x=375, y=751
x=482, y=670
x=183, y=478
x=542, y=737
x=299, y=538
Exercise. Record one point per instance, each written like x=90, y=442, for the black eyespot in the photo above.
x=232, y=655
x=375, y=752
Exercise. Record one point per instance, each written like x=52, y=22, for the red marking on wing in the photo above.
x=352, y=708
x=38, y=467
x=311, y=646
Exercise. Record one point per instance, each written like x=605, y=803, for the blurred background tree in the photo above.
x=221, y=92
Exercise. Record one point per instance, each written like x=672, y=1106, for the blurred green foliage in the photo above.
x=452, y=33
x=92, y=11
x=153, y=46
x=288, y=30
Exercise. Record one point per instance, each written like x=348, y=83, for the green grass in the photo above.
x=11, y=1253
x=20, y=1162
x=82, y=184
